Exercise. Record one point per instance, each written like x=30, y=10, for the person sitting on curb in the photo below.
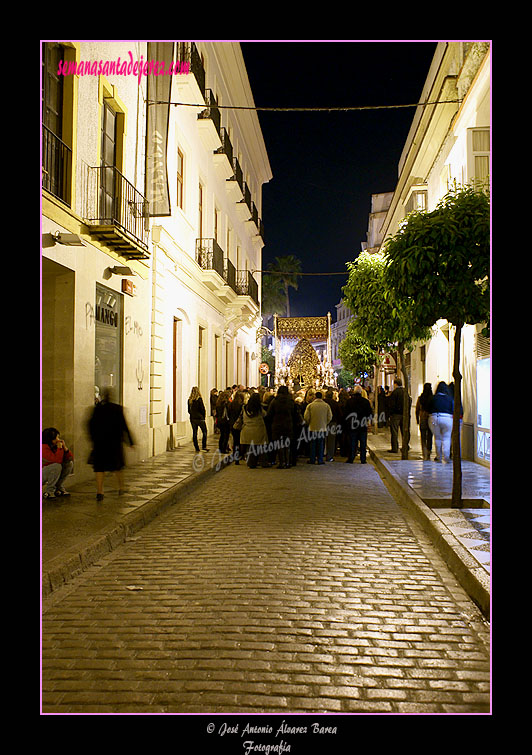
x=57, y=464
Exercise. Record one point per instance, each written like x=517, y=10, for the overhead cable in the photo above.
x=303, y=109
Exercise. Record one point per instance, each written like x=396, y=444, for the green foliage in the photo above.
x=287, y=269
x=273, y=297
x=357, y=355
x=381, y=317
x=439, y=260
x=345, y=379
x=268, y=357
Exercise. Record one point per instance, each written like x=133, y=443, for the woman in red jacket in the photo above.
x=57, y=463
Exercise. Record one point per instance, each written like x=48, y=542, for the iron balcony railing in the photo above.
x=56, y=165
x=230, y=275
x=247, y=197
x=246, y=285
x=226, y=148
x=187, y=52
x=210, y=256
x=237, y=176
x=212, y=110
x=255, y=214
x=113, y=201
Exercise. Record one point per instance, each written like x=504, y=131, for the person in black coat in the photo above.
x=281, y=415
x=108, y=429
x=196, y=411
x=333, y=435
x=381, y=406
x=422, y=418
x=395, y=413
x=222, y=421
x=357, y=414
x=235, y=407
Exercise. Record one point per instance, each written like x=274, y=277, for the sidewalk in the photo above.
x=77, y=531
x=461, y=535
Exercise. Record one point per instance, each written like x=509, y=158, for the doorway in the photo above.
x=58, y=290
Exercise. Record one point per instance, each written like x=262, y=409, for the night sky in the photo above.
x=326, y=166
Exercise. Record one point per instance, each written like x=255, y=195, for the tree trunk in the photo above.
x=287, y=300
x=406, y=403
x=376, y=368
x=456, y=502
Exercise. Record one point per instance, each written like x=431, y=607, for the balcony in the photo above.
x=246, y=285
x=210, y=258
x=223, y=157
x=209, y=123
x=235, y=184
x=244, y=206
x=117, y=214
x=56, y=166
x=191, y=85
x=230, y=275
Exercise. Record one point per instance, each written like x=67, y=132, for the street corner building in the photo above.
x=152, y=233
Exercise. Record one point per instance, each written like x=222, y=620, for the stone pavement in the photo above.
x=307, y=590
x=77, y=530
x=462, y=535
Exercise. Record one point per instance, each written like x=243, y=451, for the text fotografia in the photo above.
x=122, y=67
x=250, y=746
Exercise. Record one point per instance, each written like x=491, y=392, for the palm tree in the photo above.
x=288, y=270
x=273, y=299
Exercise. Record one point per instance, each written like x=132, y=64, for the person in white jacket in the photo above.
x=318, y=414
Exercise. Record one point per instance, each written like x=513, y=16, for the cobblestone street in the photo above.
x=306, y=590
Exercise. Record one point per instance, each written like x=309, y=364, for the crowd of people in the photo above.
x=264, y=427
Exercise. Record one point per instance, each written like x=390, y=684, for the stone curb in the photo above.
x=60, y=570
x=472, y=577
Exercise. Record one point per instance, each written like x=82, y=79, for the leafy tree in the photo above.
x=440, y=261
x=345, y=379
x=268, y=357
x=288, y=270
x=356, y=354
x=381, y=322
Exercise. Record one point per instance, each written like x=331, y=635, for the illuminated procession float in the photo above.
x=299, y=364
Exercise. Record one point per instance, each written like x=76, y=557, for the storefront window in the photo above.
x=108, y=357
x=483, y=409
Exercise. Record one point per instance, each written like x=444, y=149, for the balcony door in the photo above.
x=108, y=165
x=55, y=153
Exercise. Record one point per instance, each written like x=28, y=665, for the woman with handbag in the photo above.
x=253, y=434
x=222, y=421
x=196, y=411
x=236, y=422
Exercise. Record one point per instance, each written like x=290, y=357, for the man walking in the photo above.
x=318, y=414
x=395, y=410
x=357, y=418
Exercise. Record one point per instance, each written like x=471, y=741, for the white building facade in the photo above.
x=206, y=253
x=450, y=142
x=146, y=304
